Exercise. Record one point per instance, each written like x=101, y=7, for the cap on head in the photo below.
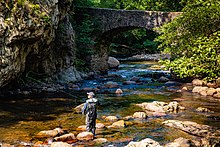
x=90, y=93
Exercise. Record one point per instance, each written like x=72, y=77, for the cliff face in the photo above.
x=35, y=36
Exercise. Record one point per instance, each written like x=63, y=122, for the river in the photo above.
x=21, y=118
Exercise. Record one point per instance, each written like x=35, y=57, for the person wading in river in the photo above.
x=90, y=110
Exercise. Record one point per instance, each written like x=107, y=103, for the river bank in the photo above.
x=140, y=82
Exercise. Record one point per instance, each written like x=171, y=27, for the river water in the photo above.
x=21, y=118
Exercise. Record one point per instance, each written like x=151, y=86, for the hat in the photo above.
x=90, y=93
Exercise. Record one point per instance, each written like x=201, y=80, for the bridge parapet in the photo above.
x=115, y=18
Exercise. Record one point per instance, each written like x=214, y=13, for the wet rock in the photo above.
x=118, y=91
x=181, y=142
x=198, y=82
x=6, y=145
x=100, y=141
x=144, y=143
x=118, y=124
x=129, y=82
x=136, y=79
x=85, y=136
x=66, y=138
x=212, y=141
x=51, y=90
x=193, y=128
x=87, y=89
x=50, y=133
x=184, y=88
x=128, y=118
x=212, y=85
x=100, y=126
x=111, y=84
x=111, y=118
x=161, y=107
x=211, y=91
x=199, y=89
x=113, y=62
x=171, y=83
x=140, y=115
x=81, y=128
x=163, y=79
x=201, y=109
x=217, y=95
x=60, y=144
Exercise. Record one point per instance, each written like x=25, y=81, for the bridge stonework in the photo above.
x=113, y=22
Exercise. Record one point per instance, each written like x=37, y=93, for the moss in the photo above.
x=31, y=10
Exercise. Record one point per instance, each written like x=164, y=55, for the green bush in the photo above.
x=193, y=41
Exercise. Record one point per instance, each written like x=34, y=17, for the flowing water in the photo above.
x=21, y=118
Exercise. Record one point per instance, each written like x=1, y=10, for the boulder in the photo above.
x=85, y=136
x=198, y=82
x=111, y=84
x=60, y=144
x=144, y=143
x=113, y=62
x=111, y=118
x=100, y=140
x=118, y=124
x=181, y=142
x=161, y=107
x=50, y=133
x=140, y=115
x=81, y=128
x=66, y=138
x=193, y=128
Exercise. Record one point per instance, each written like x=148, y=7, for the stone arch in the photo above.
x=103, y=41
x=114, y=21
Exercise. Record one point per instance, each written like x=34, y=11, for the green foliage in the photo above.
x=193, y=40
x=31, y=9
x=135, y=41
x=153, y=5
x=84, y=40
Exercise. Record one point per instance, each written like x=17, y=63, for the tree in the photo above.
x=193, y=39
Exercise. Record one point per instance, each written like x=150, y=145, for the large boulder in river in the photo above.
x=193, y=128
x=210, y=135
x=113, y=62
x=161, y=107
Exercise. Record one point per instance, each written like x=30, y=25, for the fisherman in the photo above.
x=90, y=110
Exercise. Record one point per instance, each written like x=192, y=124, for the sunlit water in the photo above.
x=21, y=118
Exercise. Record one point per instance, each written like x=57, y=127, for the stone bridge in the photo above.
x=112, y=22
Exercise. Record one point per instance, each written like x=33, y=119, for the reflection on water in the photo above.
x=22, y=118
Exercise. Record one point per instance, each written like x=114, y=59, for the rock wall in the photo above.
x=35, y=36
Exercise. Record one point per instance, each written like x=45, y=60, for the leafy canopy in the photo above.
x=193, y=39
